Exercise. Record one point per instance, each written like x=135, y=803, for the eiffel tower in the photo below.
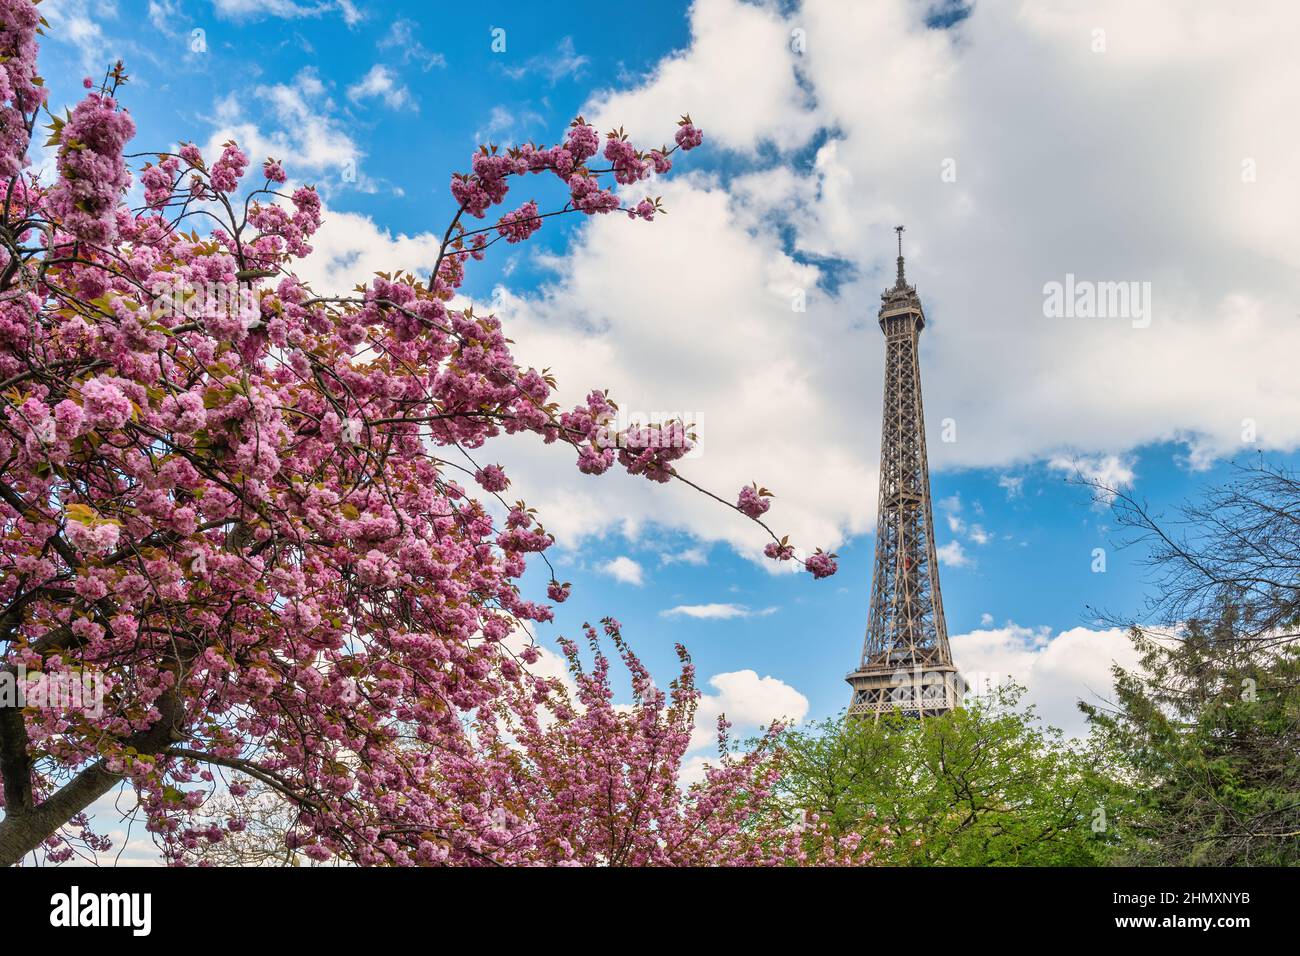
x=906, y=664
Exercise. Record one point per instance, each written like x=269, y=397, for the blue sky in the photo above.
x=810, y=157
x=454, y=80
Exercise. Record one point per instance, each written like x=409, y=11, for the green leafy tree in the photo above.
x=982, y=786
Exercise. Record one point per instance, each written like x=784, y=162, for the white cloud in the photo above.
x=504, y=127
x=78, y=23
x=1219, y=253
x=737, y=79
x=953, y=555
x=381, y=83
x=692, y=771
x=401, y=36
x=564, y=61
x=986, y=619
x=750, y=702
x=624, y=570
x=1014, y=487
x=1058, y=670
x=305, y=135
x=746, y=377
x=351, y=14
x=1112, y=473
x=1040, y=191
x=548, y=664
x=284, y=9
x=163, y=14
x=695, y=556
x=715, y=611
x=350, y=248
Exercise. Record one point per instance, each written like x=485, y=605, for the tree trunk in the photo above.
x=24, y=829
x=22, y=833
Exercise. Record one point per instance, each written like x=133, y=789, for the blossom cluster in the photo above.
x=487, y=183
x=92, y=174
x=570, y=778
x=20, y=92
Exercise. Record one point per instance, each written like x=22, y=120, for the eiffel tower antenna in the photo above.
x=906, y=663
x=901, y=281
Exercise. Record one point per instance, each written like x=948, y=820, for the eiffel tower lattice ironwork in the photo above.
x=906, y=663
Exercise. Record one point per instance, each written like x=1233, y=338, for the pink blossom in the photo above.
x=582, y=141
x=519, y=225
x=20, y=95
x=629, y=167
x=688, y=137
x=779, y=551
x=68, y=416
x=821, y=565
x=93, y=537
x=588, y=197
x=92, y=174
x=104, y=404
x=645, y=209
x=229, y=169
x=753, y=501
x=159, y=181
x=492, y=478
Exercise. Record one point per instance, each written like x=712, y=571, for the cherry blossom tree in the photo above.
x=243, y=507
x=564, y=776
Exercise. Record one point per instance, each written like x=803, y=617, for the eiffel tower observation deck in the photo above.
x=906, y=664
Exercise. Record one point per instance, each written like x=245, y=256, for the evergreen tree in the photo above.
x=1206, y=735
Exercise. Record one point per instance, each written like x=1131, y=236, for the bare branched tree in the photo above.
x=1237, y=545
